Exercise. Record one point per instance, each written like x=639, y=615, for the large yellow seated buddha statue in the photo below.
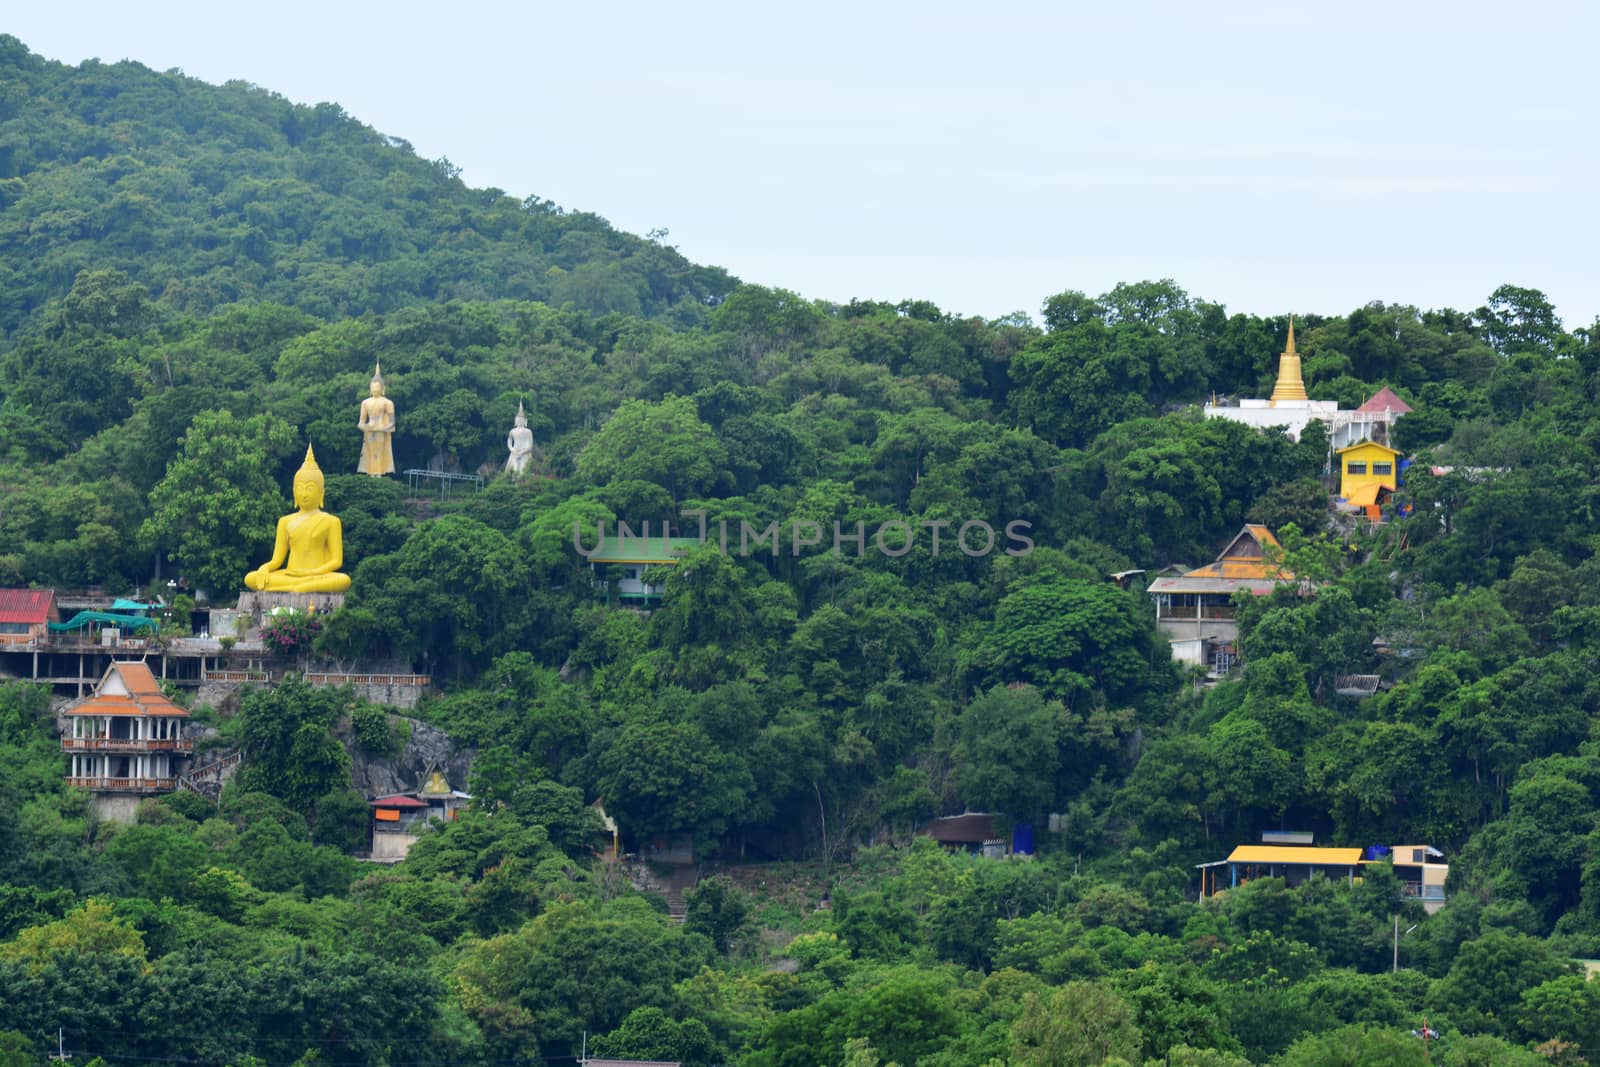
x=309, y=549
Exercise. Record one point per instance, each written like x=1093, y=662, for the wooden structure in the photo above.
x=1195, y=609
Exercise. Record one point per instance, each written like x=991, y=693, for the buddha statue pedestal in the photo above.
x=258, y=606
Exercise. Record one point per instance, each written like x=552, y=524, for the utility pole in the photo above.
x=1408, y=929
x=61, y=1052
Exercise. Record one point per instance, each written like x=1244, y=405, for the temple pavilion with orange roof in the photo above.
x=126, y=741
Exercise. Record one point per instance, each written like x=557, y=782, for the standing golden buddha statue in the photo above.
x=309, y=548
x=377, y=430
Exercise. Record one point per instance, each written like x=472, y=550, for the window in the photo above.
x=1354, y=467
x=1383, y=468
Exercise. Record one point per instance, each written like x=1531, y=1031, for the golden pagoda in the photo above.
x=1290, y=385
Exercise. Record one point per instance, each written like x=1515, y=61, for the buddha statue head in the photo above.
x=521, y=421
x=308, y=483
x=377, y=379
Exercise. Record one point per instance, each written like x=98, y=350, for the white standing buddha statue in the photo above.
x=520, y=445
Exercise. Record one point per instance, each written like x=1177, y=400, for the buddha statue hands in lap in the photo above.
x=309, y=549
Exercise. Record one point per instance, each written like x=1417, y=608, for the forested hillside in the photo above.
x=198, y=281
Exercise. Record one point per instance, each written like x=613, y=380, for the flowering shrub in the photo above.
x=290, y=632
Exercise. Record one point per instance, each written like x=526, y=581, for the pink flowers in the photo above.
x=290, y=631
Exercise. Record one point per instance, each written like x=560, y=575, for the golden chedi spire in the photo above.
x=1290, y=386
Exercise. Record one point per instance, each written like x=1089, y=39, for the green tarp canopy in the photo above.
x=84, y=618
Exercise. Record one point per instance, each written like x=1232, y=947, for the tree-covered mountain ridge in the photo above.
x=208, y=195
x=165, y=367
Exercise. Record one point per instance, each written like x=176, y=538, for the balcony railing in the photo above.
x=1190, y=614
x=417, y=680
x=126, y=744
x=1422, y=892
x=125, y=785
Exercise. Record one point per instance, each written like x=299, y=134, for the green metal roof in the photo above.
x=649, y=550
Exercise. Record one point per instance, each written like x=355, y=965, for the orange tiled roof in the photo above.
x=143, y=696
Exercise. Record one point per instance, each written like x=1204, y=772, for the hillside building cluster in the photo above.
x=1194, y=608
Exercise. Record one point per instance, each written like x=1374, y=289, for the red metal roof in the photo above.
x=30, y=606
x=1385, y=400
x=399, y=800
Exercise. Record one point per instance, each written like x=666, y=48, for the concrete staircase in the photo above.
x=207, y=780
x=682, y=880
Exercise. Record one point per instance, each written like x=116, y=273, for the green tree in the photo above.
x=1009, y=751
x=650, y=1034
x=216, y=508
x=1075, y=641
x=665, y=443
x=1078, y=1025
x=92, y=929
x=1489, y=977
x=578, y=966
x=1357, y=1046
x=290, y=750
x=448, y=594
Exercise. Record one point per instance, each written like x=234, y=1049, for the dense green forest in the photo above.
x=195, y=281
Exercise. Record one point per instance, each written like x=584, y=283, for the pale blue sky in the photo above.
x=1274, y=157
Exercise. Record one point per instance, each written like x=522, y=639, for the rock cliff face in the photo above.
x=381, y=775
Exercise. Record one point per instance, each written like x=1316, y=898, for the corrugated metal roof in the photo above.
x=1200, y=584
x=28, y=606
x=400, y=800
x=1321, y=857
x=660, y=551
